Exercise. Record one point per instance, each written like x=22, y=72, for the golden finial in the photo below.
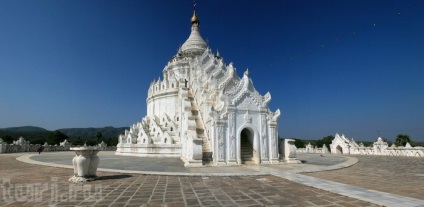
x=194, y=18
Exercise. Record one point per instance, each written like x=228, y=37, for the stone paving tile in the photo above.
x=50, y=186
x=402, y=176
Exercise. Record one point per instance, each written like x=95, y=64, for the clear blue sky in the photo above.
x=353, y=67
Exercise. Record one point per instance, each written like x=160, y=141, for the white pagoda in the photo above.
x=204, y=113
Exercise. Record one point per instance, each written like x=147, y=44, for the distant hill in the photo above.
x=91, y=132
x=33, y=134
x=25, y=129
x=38, y=135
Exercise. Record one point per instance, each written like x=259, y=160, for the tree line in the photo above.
x=55, y=137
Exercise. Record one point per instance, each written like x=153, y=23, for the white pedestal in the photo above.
x=85, y=164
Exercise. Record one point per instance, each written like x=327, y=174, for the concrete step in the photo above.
x=246, y=152
x=207, y=158
x=248, y=162
x=200, y=131
x=246, y=158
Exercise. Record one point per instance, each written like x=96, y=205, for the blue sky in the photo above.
x=353, y=67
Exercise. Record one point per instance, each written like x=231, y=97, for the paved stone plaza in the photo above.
x=397, y=175
x=27, y=184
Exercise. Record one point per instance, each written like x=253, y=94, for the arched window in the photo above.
x=172, y=85
x=172, y=129
x=178, y=118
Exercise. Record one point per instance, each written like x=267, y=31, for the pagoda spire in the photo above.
x=194, y=18
x=195, y=44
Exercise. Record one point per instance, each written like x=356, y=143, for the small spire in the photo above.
x=246, y=73
x=194, y=18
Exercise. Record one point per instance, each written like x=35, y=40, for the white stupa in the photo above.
x=204, y=113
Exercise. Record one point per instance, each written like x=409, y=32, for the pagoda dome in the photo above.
x=195, y=44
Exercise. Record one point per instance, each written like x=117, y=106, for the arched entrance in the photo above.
x=339, y=150
x=378, y=150
x=246, y=146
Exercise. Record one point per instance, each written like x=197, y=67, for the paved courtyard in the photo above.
x=175, y=166
x=397, y=175
x=24, y=184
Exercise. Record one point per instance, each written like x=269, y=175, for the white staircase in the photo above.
x=246, y=152
x=200, y=131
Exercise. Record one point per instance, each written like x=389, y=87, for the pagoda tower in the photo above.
x=204, y=113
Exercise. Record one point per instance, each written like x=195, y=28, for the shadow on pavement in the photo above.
x=113, y=177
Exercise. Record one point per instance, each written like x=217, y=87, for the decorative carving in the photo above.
x=248, y=103
x=273, y=147
x=276, y=115
x=220, y=143
x=247, y=117
x=267, y=99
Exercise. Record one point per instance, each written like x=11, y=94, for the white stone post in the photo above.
x=290, y=152
x=220, y=135
x=273, y=148
x=265, y=140
x=231, y=139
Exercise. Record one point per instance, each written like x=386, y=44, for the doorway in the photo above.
x=246, y=146
x=339, y=150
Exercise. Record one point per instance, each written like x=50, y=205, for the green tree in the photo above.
x=8, y=139
x=327, y=140
x=402, y=139
x=299, y=143
x=111, y=141
x=319, y=143
x=91, y=141
x=99, y=135
x=38, y=141
x=56, y=137
x=77, y=141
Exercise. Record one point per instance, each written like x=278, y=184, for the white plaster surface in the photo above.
x=198, y=110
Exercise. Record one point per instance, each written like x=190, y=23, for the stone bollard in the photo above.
x=290, y=152
x=85, y=164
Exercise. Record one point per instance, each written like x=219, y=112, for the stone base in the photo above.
x=149, y=150
x=292, y=161
x=272, y=161
x=77, y=179
x=192, y=163
x=232, y=162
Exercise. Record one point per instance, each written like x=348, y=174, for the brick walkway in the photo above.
x=25, y=184
x=397, y=175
